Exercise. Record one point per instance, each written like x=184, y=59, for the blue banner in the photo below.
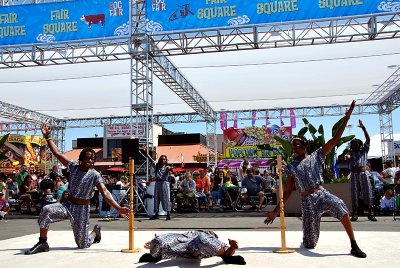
x=63, y=21
x=172, y=15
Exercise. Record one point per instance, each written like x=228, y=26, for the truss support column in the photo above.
x=386, y=129
x=142, y=98
x=211, y=138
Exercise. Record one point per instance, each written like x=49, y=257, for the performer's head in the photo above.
x=162, y=161
x=356, y=145
x=299, y=146
x=87, y=158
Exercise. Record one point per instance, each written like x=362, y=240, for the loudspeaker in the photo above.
x=130, y=148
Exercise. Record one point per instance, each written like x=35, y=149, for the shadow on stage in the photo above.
x=180, y=262
x=301, y=250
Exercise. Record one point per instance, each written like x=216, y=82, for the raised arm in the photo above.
x=366, y=135
x=328, y=147
x=46, y=131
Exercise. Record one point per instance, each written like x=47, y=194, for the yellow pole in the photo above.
x=282, y=211
x=131, y=215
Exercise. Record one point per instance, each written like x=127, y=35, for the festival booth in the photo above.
x=240, y=143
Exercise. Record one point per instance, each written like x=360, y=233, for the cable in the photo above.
x=209, y=66
x=215, y=101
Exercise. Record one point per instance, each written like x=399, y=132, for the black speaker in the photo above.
x=130, y=149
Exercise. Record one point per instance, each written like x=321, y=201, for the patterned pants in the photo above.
x=78, y=216
x=360, y=188
x=313, y=206
x=161, y=195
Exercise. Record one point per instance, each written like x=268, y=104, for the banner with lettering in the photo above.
x=240, y=142
x=172, y=15
x=123, y=130
x=18, y=149
x=63, y=21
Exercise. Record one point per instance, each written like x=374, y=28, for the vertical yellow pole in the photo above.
x=131, y=214
x=282, y=211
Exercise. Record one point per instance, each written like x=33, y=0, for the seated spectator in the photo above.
x=270, y=185
x=4, y=206
x=3, y=187
x=11, y=187
x=187, y=191
x=200, y=195
x=64, y=197
x=387, y=202
x=207, y=186
x=25, y=193
x=255, y=187
x=228, y=194
x=387, y=174
x=216, y=183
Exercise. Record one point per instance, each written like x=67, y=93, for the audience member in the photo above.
x=387, y=202
x=187, y=191
x=4, y=206
x=255, y=187
x=387, y=174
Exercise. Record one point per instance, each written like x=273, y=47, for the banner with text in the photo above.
x=239, y=143
x=63, y=21
x=123, y=130
x=172, y=15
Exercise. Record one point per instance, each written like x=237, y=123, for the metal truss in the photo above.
x=388, y=91
x=212, y=146
x=18, y=113
x=276, y=35
x=386, y=130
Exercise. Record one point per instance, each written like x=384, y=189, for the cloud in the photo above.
x=375, y=148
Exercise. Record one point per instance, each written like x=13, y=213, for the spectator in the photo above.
x=256, y=169
x=243, y=167
x=187, y=191
x=21, y=174
x=216, y=185
x=196, y=245
x=255, y=187
x=53, y=173
x=26, y=192
x=225, y=169
x=200, y=195
x=387, y=202
x=3, y=186
x=270, y=185
x=207, y=187
x=60, y=187
x=387, y=174
x=4, y=206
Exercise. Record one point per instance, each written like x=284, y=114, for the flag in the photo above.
x=16, y=126
x=222, y=120
x=34, y=130
x=1, y=127
x=292, y=118
x=280, y=117
x=26, y=127
x=253, y=118
x=8, y=127
x=226, y=121
x=234, y=120
x=267, y=122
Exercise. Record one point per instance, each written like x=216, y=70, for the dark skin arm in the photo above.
x=289, y=188
x=123, y=211
x=146, y=154
x=330, y=145
x=366, y=135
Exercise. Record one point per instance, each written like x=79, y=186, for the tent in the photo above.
x=117, y=169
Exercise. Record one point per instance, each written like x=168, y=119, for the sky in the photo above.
x=257, y=79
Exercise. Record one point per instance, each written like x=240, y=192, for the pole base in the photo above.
x=284, y=251
x=134, y=250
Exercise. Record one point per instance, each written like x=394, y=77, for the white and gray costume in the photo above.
x=308, y=176
x=360, y=184
x=192, y=244
x=81, y=185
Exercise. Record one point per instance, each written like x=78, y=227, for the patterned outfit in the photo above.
x=81, y=185
x=308, y=176
x=192, y=244
x=360, y=184
x=161, y=190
